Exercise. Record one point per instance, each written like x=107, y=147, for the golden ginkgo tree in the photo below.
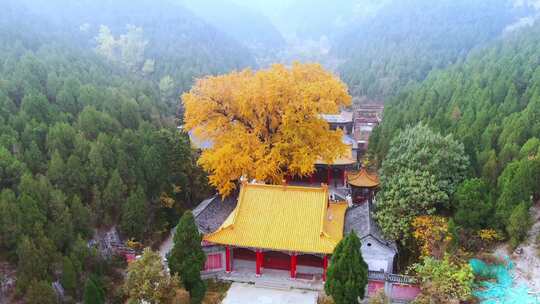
x=266, y=124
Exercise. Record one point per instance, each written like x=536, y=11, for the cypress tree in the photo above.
x=187, y=257
x=347, y=274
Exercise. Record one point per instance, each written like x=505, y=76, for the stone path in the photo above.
x=240, y=293
x=167, y=244
x=244, y=272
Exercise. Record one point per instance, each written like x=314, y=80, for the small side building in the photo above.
x=363, y=185
x=378, y=252
x=209, y=216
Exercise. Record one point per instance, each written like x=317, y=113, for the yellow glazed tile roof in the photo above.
x=284, y=218
x=362, y=179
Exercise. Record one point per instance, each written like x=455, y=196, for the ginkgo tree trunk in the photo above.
x=266, y=124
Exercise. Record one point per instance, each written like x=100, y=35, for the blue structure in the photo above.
x=503, y=291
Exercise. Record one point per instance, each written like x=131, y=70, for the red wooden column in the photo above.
x=258, y=262
x=312, y=177
x=228, y=264
x=293, y=265
x=344, y=178
x=329, y=178
x=325, y=266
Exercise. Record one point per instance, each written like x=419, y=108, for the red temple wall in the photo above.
x=374, y=286
x=404, y=292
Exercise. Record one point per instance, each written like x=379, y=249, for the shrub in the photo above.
x=444, y=281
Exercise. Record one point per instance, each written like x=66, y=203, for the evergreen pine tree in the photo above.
x=34, y=158
x=93, y=293
x=187, y=257
x=96, y=204
x=347, y=275
x=134, y=214
x=519, y=224
x=57, y=167
x=11, y=169
x=69, y=276
x=81, y=216
x=114, y=193
x=40, y=292
x=75, y=175
x=30, y=265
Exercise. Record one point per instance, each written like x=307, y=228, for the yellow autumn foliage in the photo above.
x=489, y=235
x=131, y=243
x=166, y=200
x=266, y=124
x=431, y=232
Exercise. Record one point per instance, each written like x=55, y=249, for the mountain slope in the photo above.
x=405, y=40
x=491, y=103
x=175, y=41
x=85, y=145
x=248, y=26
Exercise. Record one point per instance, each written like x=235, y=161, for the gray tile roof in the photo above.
x=343, y=117
x=360, y=219
x=212, y=212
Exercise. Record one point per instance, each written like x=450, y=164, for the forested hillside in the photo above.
x=87, y=143
x=311, y=19
x=405, y=40
x=160, y=40
x=248, y=26
x=491, y=104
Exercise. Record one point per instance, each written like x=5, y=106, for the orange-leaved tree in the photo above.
x=264, y=125
x=432, y=233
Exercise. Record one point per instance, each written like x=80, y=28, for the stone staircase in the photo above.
x=273, y=284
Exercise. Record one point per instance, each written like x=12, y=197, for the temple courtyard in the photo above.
x=241, y=293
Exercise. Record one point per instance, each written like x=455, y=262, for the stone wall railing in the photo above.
x=399, y=288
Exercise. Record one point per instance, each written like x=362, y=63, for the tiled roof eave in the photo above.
x=303, y=251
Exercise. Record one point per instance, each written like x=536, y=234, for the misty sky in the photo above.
x=323, y=16
x=313, y=18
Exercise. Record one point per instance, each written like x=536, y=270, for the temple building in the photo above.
x=334, y=173
x=363, y=186
x=367, y=116
x=284, y=227
x=378, y=252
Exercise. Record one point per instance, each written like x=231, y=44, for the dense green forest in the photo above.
x=491, y=104
x=159, y=40
x=405, y=40
x=91, y=141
